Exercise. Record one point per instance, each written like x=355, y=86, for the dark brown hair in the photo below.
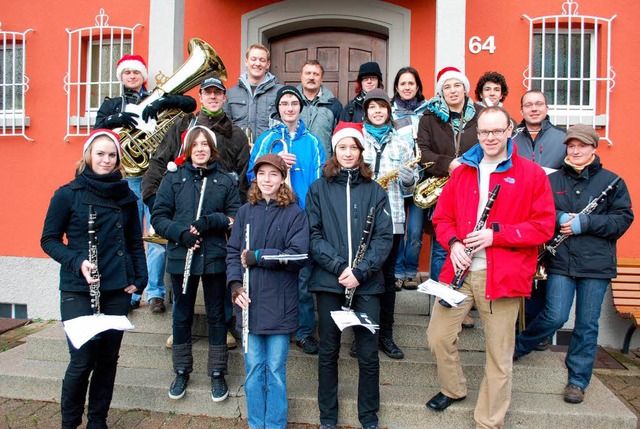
x=191, y=138
x=284, y=196
x=332, y=168
x=493, y=77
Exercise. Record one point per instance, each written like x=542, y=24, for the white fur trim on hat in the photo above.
x=111, y=135
x=347, y=129
x=131, y=62
x=452, y=73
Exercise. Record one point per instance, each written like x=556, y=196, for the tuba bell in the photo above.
x=137, y=146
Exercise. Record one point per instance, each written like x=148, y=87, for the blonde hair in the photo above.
x=86, y=158
x=258, y=46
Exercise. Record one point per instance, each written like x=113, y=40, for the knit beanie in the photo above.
x=369, y=69
x=289, y=89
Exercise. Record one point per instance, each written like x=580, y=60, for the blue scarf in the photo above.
x=378, y=133
x=440, y=108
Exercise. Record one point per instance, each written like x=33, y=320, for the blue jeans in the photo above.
x=265, y=383
x=156, y=253
x=306, y=311
x=438, y=257
x=584, y=339
x=409, y=250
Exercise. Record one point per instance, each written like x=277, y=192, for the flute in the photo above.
x=362, y=248
x=245, y=280
x=189, y=258
x=468, y=250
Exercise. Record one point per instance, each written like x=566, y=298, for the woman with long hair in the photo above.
x=100, y=191
x=338, y=205
x=277, y=225
x=175, y=217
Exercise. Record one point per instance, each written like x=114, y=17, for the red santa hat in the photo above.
x=451, y=73
x=348, y=129
x=131, y=62
x=101, y=132
x=173, y=165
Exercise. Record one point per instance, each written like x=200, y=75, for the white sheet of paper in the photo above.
x=344, y=319
x=435, y=288
x=83, y=328
x=147, y=127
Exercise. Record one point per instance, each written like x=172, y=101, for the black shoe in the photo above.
x=390, y=348
x=353, y=352
x=441, y=402
x=133, y=305
x=179, y=385
x=544, y=344
x=219, y=389
x=309, y=345
x=399, y=283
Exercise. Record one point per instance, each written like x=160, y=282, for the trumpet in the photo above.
x=284, y=150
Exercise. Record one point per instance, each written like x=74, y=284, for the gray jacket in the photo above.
x=252, y=108
x=321, y=115
x=548, y=149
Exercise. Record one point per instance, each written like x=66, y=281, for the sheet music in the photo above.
x=147, y=127
x=344, y=319
x=435, y=288
x=83, y=328
x=283, y=257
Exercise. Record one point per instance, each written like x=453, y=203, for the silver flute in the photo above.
x=245, y=280
x=189, y=258
x=94, y=288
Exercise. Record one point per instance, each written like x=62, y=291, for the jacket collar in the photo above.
x=586, y=173
x=474, y=156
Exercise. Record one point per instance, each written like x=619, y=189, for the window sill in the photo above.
x=566, y=119
x=7, y=121
x=83, y=121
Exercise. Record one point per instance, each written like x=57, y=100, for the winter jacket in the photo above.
x=175, y=210
x=305, y=146
x=592, y=253
x=232, y=145
x=353, y=111
x=522, y=217
x=121, y=258
x=338, y=210
x=395, y=152
x=252, y=108
x=273, y=286
x=406, y=121
x=548, y=150
x=321, y=115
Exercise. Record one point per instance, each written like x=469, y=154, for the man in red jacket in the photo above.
x=500, y=267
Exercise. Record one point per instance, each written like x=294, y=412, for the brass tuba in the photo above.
x=137, y=146
x=427, y=192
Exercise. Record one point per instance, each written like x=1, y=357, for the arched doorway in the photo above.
x=339, y=51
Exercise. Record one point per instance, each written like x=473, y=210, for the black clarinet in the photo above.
x=362, y=248
x=456, y=283
x=94, y=288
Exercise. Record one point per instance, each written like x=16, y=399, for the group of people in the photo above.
x=289, y=213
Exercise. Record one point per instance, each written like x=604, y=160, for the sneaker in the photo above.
x=353, y=351
x=399, y=283
x=411, y=283
x=179, y=385
x=219, y=389
x=156, y=305
x=231, y=341
x=390, y=348
x=309, y=345
x=573, y=394
x=133, y=305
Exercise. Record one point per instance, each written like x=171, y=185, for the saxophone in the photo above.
x=387, y=178
x=428, y=191
x=94, y=288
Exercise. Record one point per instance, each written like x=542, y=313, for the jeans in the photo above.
x=329, y=351
x=410, y=245
x=97, y=358
x=561, y=289
x=306, y=310
x=388, y=298
x=265, y=383
x=438, y=258
x=156, y=253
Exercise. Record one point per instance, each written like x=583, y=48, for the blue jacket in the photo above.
x=306, y=147
x=273, y=286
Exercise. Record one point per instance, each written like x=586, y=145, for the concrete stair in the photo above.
x=35, y=371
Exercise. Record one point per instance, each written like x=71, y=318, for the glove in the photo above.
x=576, y=225
x=123, y=119
x=251, y=258
x=405, y=174
x=152, y=110
x=151, y=201
x=188, y=240
x=202, y=225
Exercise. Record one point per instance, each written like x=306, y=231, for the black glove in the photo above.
x=250, y=258
x=123, y=119
x=152, y=110
x=151, y=202
x=188, y=239
x=202, y=225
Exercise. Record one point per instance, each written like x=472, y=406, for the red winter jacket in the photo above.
x=522, y=217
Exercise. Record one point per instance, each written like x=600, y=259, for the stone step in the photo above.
x=402, y=407
x=541, y=372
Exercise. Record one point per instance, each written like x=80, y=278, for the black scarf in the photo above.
x=411, y=105
x=108, y=186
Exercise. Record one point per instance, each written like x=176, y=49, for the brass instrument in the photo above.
x=427, y=192
x=387, y=178
x=137, y=146
x=284, y=150
x=152, y=237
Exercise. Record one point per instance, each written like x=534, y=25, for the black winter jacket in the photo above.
x=121, y=258
x=273, y=286
x=353, y=111
x=329, y=245
x=175, y=210
x=592, y=253
x=232, y=144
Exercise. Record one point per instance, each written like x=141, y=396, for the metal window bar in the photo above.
x=575, y=79
x=14, y=83
x=91, y=51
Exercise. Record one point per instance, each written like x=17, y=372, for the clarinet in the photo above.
x=558, y=239
x=456, y=284
x=94, y=288
x=245, y=280
x=362, y=248
x=189, y=258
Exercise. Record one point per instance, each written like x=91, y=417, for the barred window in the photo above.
x=102, y=77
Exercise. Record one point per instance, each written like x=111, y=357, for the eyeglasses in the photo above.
x=538, y=104
x=292, y=104
x=496, y=133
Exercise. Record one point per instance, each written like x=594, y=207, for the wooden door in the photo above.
x=339, y=52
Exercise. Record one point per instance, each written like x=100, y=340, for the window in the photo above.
x=102, y=76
